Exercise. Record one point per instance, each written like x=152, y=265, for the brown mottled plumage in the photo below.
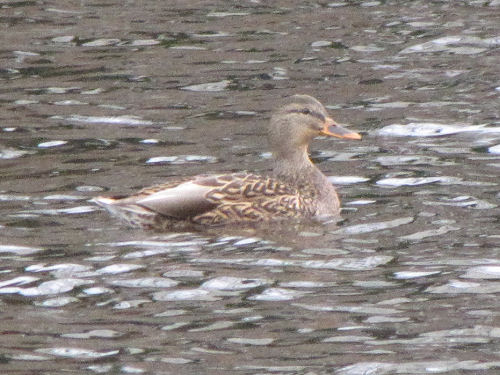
x=296, y=189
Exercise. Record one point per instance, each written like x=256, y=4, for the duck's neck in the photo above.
x=297, y=169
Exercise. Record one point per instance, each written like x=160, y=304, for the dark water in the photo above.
x=104, y=97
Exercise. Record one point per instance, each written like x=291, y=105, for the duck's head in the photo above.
x=299, y=121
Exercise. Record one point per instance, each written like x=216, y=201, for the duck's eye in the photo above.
x=305, y=111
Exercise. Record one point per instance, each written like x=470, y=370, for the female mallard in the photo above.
x=296, y=189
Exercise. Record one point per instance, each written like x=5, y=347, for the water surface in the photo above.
x=108, y=97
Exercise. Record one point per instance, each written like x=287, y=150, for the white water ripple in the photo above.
x=424, y=367
x=376, y=226
x=208, y=87
x=415, y=181
x=345, y=264
x=432, y=129
x=457, y=44
x=77, y=353
x=233, y=283
x=46, y=288
x=278, y=294
x=112, y=120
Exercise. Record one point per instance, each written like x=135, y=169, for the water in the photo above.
x=105, y=98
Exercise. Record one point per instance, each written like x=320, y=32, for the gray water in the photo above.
x=108, y=97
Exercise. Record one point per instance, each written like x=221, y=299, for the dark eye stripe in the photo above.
x=318, y=115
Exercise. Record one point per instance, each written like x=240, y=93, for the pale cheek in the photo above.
x=317, y=130
x=315, y=127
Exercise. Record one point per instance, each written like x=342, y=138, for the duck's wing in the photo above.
x=247, y=196
x=179, y=199
x=252, y=198
x=182, y=201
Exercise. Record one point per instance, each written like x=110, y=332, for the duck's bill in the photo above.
x=332, y=129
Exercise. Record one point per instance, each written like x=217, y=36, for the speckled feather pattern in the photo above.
x=251, y=198
x=237, y=198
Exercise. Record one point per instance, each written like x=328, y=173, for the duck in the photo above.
x=295, y=189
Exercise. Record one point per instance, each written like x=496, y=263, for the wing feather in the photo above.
x=182, y=201
x=220, y=199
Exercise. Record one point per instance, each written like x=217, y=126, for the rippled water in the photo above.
x=108, y=97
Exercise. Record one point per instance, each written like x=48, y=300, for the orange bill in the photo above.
x=332, y=129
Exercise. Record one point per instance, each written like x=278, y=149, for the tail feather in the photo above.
x=130, y=213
